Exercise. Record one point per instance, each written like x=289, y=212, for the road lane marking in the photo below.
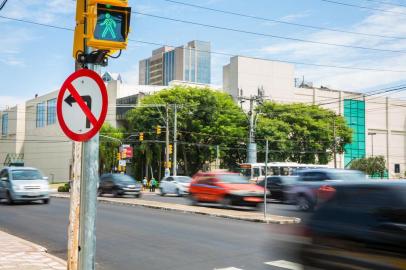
x=285, y=264
x=228, y=268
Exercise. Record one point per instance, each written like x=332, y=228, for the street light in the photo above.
x=372, y=134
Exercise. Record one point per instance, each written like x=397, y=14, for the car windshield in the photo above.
x=123, y=178
x=233, y=179
x=347, y=175
x=183, y=179
x=26, y=175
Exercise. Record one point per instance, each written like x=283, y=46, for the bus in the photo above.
x=256, y=171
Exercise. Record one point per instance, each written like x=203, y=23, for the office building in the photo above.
x=189, y=63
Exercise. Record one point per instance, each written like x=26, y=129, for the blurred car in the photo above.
x=362, y=226
x=178, y=185
x=226, y=189
x=277, y=185
x=119, y=184
x=23, y=184
x=304, y=191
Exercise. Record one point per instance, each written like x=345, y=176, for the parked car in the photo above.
x=305, y=190
x=23, y=184
x=277, y=185
x=119, y=184
x=226, y=189
x=178, y=185
x=362, y=226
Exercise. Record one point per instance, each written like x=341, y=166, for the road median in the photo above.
x=216, y=212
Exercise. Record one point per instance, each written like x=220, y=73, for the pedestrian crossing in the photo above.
x=280, y=264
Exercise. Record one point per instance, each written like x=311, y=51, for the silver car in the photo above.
x=178, y=185
x=23, y=184
x=303, y=193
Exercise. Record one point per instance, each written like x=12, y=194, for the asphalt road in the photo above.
x=147, y=239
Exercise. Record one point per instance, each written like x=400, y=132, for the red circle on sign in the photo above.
x=96, y=126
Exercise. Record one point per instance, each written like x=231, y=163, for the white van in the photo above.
x=23, y=184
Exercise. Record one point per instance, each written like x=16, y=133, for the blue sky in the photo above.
x=35, y=59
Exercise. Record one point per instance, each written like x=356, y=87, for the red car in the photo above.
x=225, y=188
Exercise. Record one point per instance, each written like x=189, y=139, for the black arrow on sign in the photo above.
x=86, y=99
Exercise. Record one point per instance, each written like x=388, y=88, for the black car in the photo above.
x=277, y=186
x=119, y=184
x=362, y=226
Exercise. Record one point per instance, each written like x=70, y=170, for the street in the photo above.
x=140, y=238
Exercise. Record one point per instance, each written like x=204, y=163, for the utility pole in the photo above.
x=372, y=134
x=217, y=157
x=167, y=167
x=335, y=143
x=175, y=139
x=266, y=176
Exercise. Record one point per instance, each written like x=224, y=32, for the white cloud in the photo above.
x=388, y=24
x=296, y=16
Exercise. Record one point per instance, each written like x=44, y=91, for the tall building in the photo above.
x=189, y=63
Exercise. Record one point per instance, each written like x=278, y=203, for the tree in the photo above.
x=109, y=148
x=301, y=133
x=371, y=165
x=206, y=118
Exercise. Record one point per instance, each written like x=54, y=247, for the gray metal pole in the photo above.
x=167, y=169
x=89, y=181
x=266, y=177
x=175, y=135
x=217, y=157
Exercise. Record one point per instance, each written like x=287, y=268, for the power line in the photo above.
x=361, y=7
x=267, y=35
x=384, y=2
x=281, y=21
x=226, y=54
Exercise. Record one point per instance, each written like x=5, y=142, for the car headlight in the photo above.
x=17, y=187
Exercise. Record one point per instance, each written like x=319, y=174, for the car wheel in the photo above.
x=304, y=204
x=46, y=201
x=226, y=202
x=9, y=200
x=99, y=192
x=137, y=195
x=161, y=192
x=114, y=192
x=178, y=193
x=193, y=200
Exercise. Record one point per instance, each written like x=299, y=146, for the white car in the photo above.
x=178, y=185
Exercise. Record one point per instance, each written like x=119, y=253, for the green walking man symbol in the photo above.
x=110, y=25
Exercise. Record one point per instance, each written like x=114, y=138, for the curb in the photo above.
x=272, y=219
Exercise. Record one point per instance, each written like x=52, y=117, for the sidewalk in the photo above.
x=19, y=254
x=211, y=211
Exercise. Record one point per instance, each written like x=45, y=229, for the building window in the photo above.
x=397, y=168
x=40, y=117
x=354, y=113
x=4, y=124
x=51, y=111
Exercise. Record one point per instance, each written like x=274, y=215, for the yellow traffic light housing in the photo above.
x=108, y=24
x=158, y=130
x=170, y=149
x=141, y=137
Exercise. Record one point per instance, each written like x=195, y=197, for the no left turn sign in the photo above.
x=82, y=105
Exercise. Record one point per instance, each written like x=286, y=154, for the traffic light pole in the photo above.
x=167, y=167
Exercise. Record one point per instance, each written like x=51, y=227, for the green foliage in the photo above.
x=301, y=133
x=206, y=118
x=64, y=188
x=109, y=147
x=371, y=165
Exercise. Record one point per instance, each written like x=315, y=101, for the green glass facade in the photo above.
x=354, y=113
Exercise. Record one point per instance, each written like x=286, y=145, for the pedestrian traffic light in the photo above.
x=158, y=129
x=170, y=149
x=108, y=24
x=141, y=137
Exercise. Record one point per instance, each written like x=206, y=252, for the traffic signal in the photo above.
x=158, y=129
x=118, y=156
x=170, y=149
x=108, y=24
x=141, y=137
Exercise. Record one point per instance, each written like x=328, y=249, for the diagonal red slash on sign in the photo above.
x=82, y=104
